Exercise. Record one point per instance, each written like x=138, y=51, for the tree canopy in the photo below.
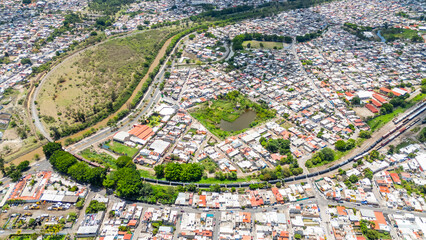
x=50, y=148
x=186, y=172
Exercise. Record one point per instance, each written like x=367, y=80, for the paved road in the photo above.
x=34, y=113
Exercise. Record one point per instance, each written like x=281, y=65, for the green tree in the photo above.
x=353, y=178
x=96, y=176
x=340, y=145
x=368, y=173
x=2, y=165
x=79, y=171
x=50, y=148
x=159, y=171
x=350, y=144
x=173, y=171
x=62, y=160
x=25, y=61
x=327, y=154
x=215, y=188
x=126, y=181
x=123, y=161
x=422, y=135
x=386, y=108
x=364, y=134
x=356, y=100
x=95, y=206
x=23, y=166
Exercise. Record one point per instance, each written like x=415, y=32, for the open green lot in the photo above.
x=121, y=148
x=392, y=34
x=101, y=158
x=88, y=86
x=268, y=45
x=379, y=121
x=229, y=108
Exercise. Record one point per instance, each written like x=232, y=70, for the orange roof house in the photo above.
x=142, y=131
x=376, y=103
x=385, y=90
x=379, y=98
x=371, y=108
x=384, y=189
x=395, y=178
x=341, y=211
x=246, y=217
x=380, y=220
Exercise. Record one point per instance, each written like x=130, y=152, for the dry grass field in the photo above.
x=90, y=85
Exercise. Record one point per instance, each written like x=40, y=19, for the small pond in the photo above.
x=243, y=121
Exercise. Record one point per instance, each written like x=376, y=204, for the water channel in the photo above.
x=243, y=121
x=380, y=36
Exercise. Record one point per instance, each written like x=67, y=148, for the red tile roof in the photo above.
x=376, y=103
x=371, y=108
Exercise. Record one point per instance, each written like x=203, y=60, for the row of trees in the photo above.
x=308, y=36
x=125, y=181
x=225, y=176
x=186, y=172
x=237, y=42
x=399, y=101
x=245, y=12
x=12, y=171
x=423, y=86
x=64, y=162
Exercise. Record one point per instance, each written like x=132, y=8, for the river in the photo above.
x=380, y=36
x=242, y=122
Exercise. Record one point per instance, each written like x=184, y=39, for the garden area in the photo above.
x=122, y=149
x=229, y=108
x=101, y=158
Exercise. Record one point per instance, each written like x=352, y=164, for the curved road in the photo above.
x=34, y=113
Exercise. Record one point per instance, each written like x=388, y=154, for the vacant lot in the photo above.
x=392, y=34
x=91, y=85
x=269, y=45
x=121, y=148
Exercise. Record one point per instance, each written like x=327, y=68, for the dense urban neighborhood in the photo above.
x=202, y=119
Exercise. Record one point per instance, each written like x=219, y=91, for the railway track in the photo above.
x=405, y=122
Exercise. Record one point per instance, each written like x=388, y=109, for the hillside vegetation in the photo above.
x=91, y=85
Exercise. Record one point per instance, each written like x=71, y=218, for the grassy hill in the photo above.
x=90, y=85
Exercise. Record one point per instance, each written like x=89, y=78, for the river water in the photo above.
x=380, y=36
x=243, y=121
